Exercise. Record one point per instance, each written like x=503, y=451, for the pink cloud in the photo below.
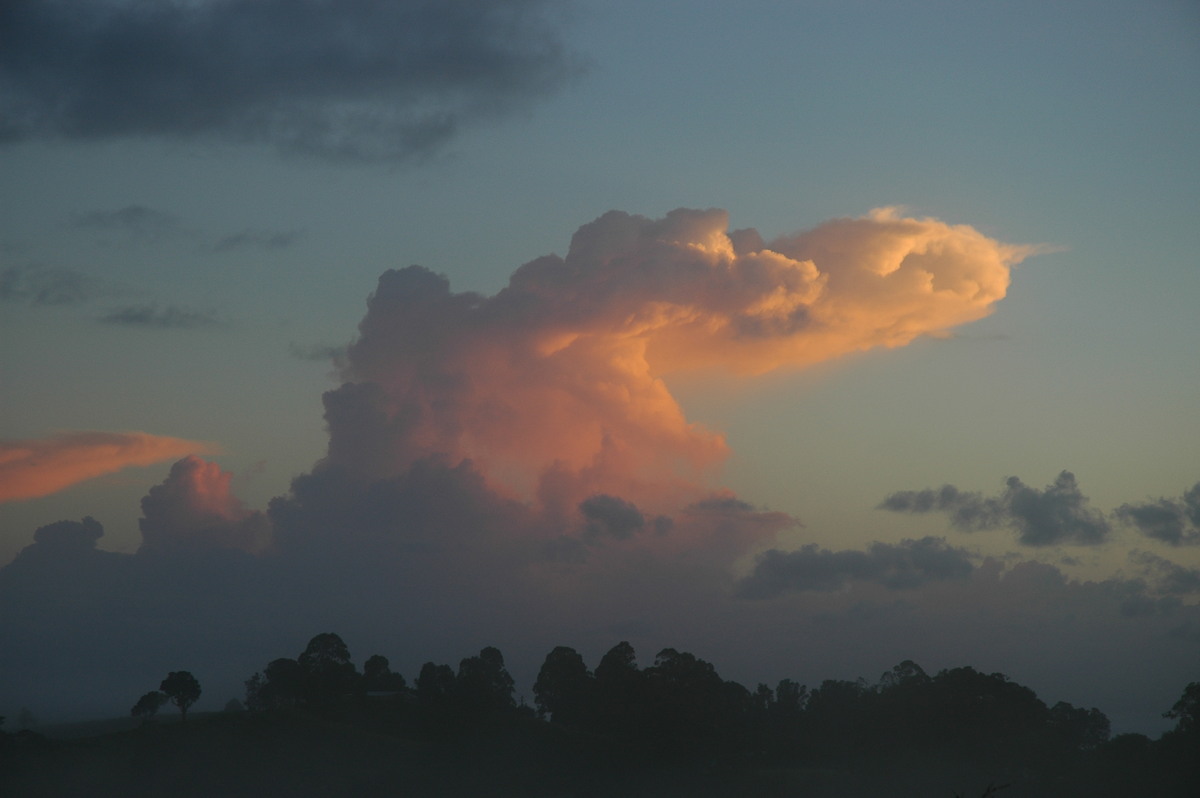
x=41, y=466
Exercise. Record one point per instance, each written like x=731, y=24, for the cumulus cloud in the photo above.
x=903, y=566
x=195, y=507
x=554, y=386
x=1174, y=521
x=493, y=460
x=166, y=318
x=357, y=79
x=1058, y=514
x=38, y=467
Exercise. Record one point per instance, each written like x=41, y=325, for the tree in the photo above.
x=147, y=706
x=564, y=686
x=483, y=683
x=435, y=684
x=182, y=689
x=378, y=677
x=327, y=670
x=281, y=684
x=1186, y=712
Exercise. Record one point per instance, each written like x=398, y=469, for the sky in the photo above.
x=808, y=337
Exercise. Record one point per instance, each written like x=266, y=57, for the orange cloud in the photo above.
x=554, y=388
x=39, y=467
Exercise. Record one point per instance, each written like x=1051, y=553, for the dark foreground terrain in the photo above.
x=316, y=726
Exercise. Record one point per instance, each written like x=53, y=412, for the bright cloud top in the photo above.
x=39, y=467
x=554, y=385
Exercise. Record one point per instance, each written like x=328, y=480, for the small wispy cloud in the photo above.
x=45, y=285
x=136, y=220
x=169, y=317
x=258, y=239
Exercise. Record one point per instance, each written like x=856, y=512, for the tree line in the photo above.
x=679, y=712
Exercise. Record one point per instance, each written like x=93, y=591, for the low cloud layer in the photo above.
x=1058, y=514
x=351, y=79
x=903, y=566
x=39, y=467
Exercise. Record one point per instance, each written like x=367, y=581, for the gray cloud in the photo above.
x=136, y=220
x=1169, y=577
x=610, y=516
x=903, y=566
x=258, y=239
x=41, y=285
x=1174, y=521
x=1057, y=514
x=351, y=79
x=170, y=317
x=317, y=352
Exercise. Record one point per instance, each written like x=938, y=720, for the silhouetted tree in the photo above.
x=183, y=690
x=435, y=684
x=147, y=706
x=378, y=676
x=327, y=672
x=483, y=683
x=564, y=686
x=1077, y=728
x=1186, y=711
x=283, y=682
x=255, y=693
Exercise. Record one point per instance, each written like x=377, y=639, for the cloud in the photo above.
x=514, y=469
x=554, y=386
x=1172, y=521
x=258, y=239
x=41, y=285
x=39, y=467
x=1169, y=577
x=351, y=79
x=1059, y=514
x=317, y=352
x=610, y=516
x=194, y=507
x=903, y=566
x=169, y=317
x=136, y=220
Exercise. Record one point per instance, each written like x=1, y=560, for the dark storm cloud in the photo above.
x=1057, y=514
x=901, y=566
x=42, y=285
x=170, y=317
x=355, y=79
x=1174, y=521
